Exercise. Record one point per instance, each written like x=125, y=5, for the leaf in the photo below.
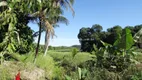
x=74, y=52
x=117, y=41
x=79, y=72
x=18, y=0
x=105, y=44
x=138, y=35
x=84, y=72
x=9, y=48
x=95, y=48
x=68, y=77
x=10, y=28
x=13, y=47
x=39, y=1
x=18, y=38
x=126, y=41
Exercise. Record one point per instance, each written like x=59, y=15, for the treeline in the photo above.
x=95, y=34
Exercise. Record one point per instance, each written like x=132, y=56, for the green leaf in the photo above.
x=79, y=72
x=10, y=28
x=68, y=77
x=9, y=48
x=126, y=41
x=95, y=48
x=39, y=1
x=84, y=72
x=138, y=35
x=105, y=44
x=74, y=52
x=13, y=47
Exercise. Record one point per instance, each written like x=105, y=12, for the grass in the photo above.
x=79, y=58
x=46, y=63
x=4, y=73
x=50, y=64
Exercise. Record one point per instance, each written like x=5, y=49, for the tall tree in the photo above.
x=113, y=34
x=42, y=10
x=56, y=17
x=54, y=20
x=97, y=28
x=85, y=38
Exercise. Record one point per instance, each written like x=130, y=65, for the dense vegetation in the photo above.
x=89, y=36
x=114, y=54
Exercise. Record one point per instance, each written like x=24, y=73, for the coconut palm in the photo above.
x=44, y=12
x=53, y=20
x=56, y=17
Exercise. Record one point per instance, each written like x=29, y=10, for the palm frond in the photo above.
x=70, y=6
x=62, y=19
x=71, y=1
x=63, y=4
x=49, y=28
x=138, y=36
x=55, y=25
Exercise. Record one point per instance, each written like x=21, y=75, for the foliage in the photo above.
x=74, y=52
x=66, y=57
x=137, y=76
x=126, y=41
x=71, y=63
x=47, y=64
x=15, y=16
x=89, y=36
x=116, y=57
x=16, y=36
x=61, y=66
x=112, y=52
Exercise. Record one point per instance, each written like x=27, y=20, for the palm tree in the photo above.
x=43, y=13
x=57, y=18
x=53, y=20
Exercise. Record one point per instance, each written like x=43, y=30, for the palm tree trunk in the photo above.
x=37, y=48
x=47, y=38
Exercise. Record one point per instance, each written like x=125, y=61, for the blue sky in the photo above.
x=107, y=13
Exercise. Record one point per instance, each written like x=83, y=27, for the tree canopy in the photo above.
x=94, y=35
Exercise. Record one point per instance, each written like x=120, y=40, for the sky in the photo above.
x=107, y=13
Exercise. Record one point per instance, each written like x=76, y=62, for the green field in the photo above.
x=63, y=66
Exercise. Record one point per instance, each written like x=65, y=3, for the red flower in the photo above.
x=17, y=77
